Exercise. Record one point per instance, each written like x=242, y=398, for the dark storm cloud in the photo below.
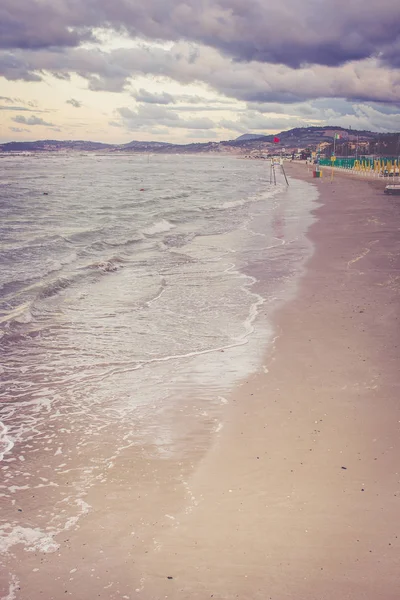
x=33, y=24
x=31, y=121
x=391, y=54
x=291, y=32
x=251, y=82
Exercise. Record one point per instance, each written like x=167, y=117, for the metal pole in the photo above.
x=283, y=171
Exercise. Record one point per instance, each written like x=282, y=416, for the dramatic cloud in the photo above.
x=253, y=82
x=288, y=32
x=74, y=103
x=31, y=121
x=368, y=117
x=150, y=116
x=212, y=67
x=272, y=116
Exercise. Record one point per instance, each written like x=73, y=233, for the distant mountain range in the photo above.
x=293, y=139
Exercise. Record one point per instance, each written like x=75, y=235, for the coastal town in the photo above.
x=299, y=143
x=365, y=152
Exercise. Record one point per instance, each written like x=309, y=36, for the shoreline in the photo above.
x=299, y=496
x=294, y=499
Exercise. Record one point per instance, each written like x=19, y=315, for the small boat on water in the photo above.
x=393, y=189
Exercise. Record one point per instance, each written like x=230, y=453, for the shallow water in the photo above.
x=117, y=303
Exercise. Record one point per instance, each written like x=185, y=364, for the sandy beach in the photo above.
x=298, y=496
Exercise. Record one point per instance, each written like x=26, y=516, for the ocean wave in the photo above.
x=84, y=235
x=241, y=202
x=23, y=313
x=57, y=286
x=178, y=240
x=158, y=227
x=20, y=315
x=19, y=243
x=234, y=203
x=264, y=195
x=107, y=265
x=175, y=196
x=123, y=241
x=185, y=215
x=31, y=250
x=16, y=277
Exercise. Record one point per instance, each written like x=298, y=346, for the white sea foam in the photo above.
x=73, y=521
x=33, y=539
x=6, y=441
x=266, y=194
x=37, y=540
x=12, y=589
x=113, y=357
x=158, y=227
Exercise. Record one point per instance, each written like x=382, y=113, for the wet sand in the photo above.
x=299, y=495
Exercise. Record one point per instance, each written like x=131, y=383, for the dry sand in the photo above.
x=299, y=497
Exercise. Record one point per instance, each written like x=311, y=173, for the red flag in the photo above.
x=276, y=140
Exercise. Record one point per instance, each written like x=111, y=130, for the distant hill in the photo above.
x=52, y=145
x=57, y=145
x=291, y=140
x=249, y=136
x=144, y=145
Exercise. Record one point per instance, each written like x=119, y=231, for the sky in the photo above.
x=185, y=71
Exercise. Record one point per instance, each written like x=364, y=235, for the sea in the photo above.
x=136, y=292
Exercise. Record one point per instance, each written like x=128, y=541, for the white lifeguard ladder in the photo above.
x=276, y=162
